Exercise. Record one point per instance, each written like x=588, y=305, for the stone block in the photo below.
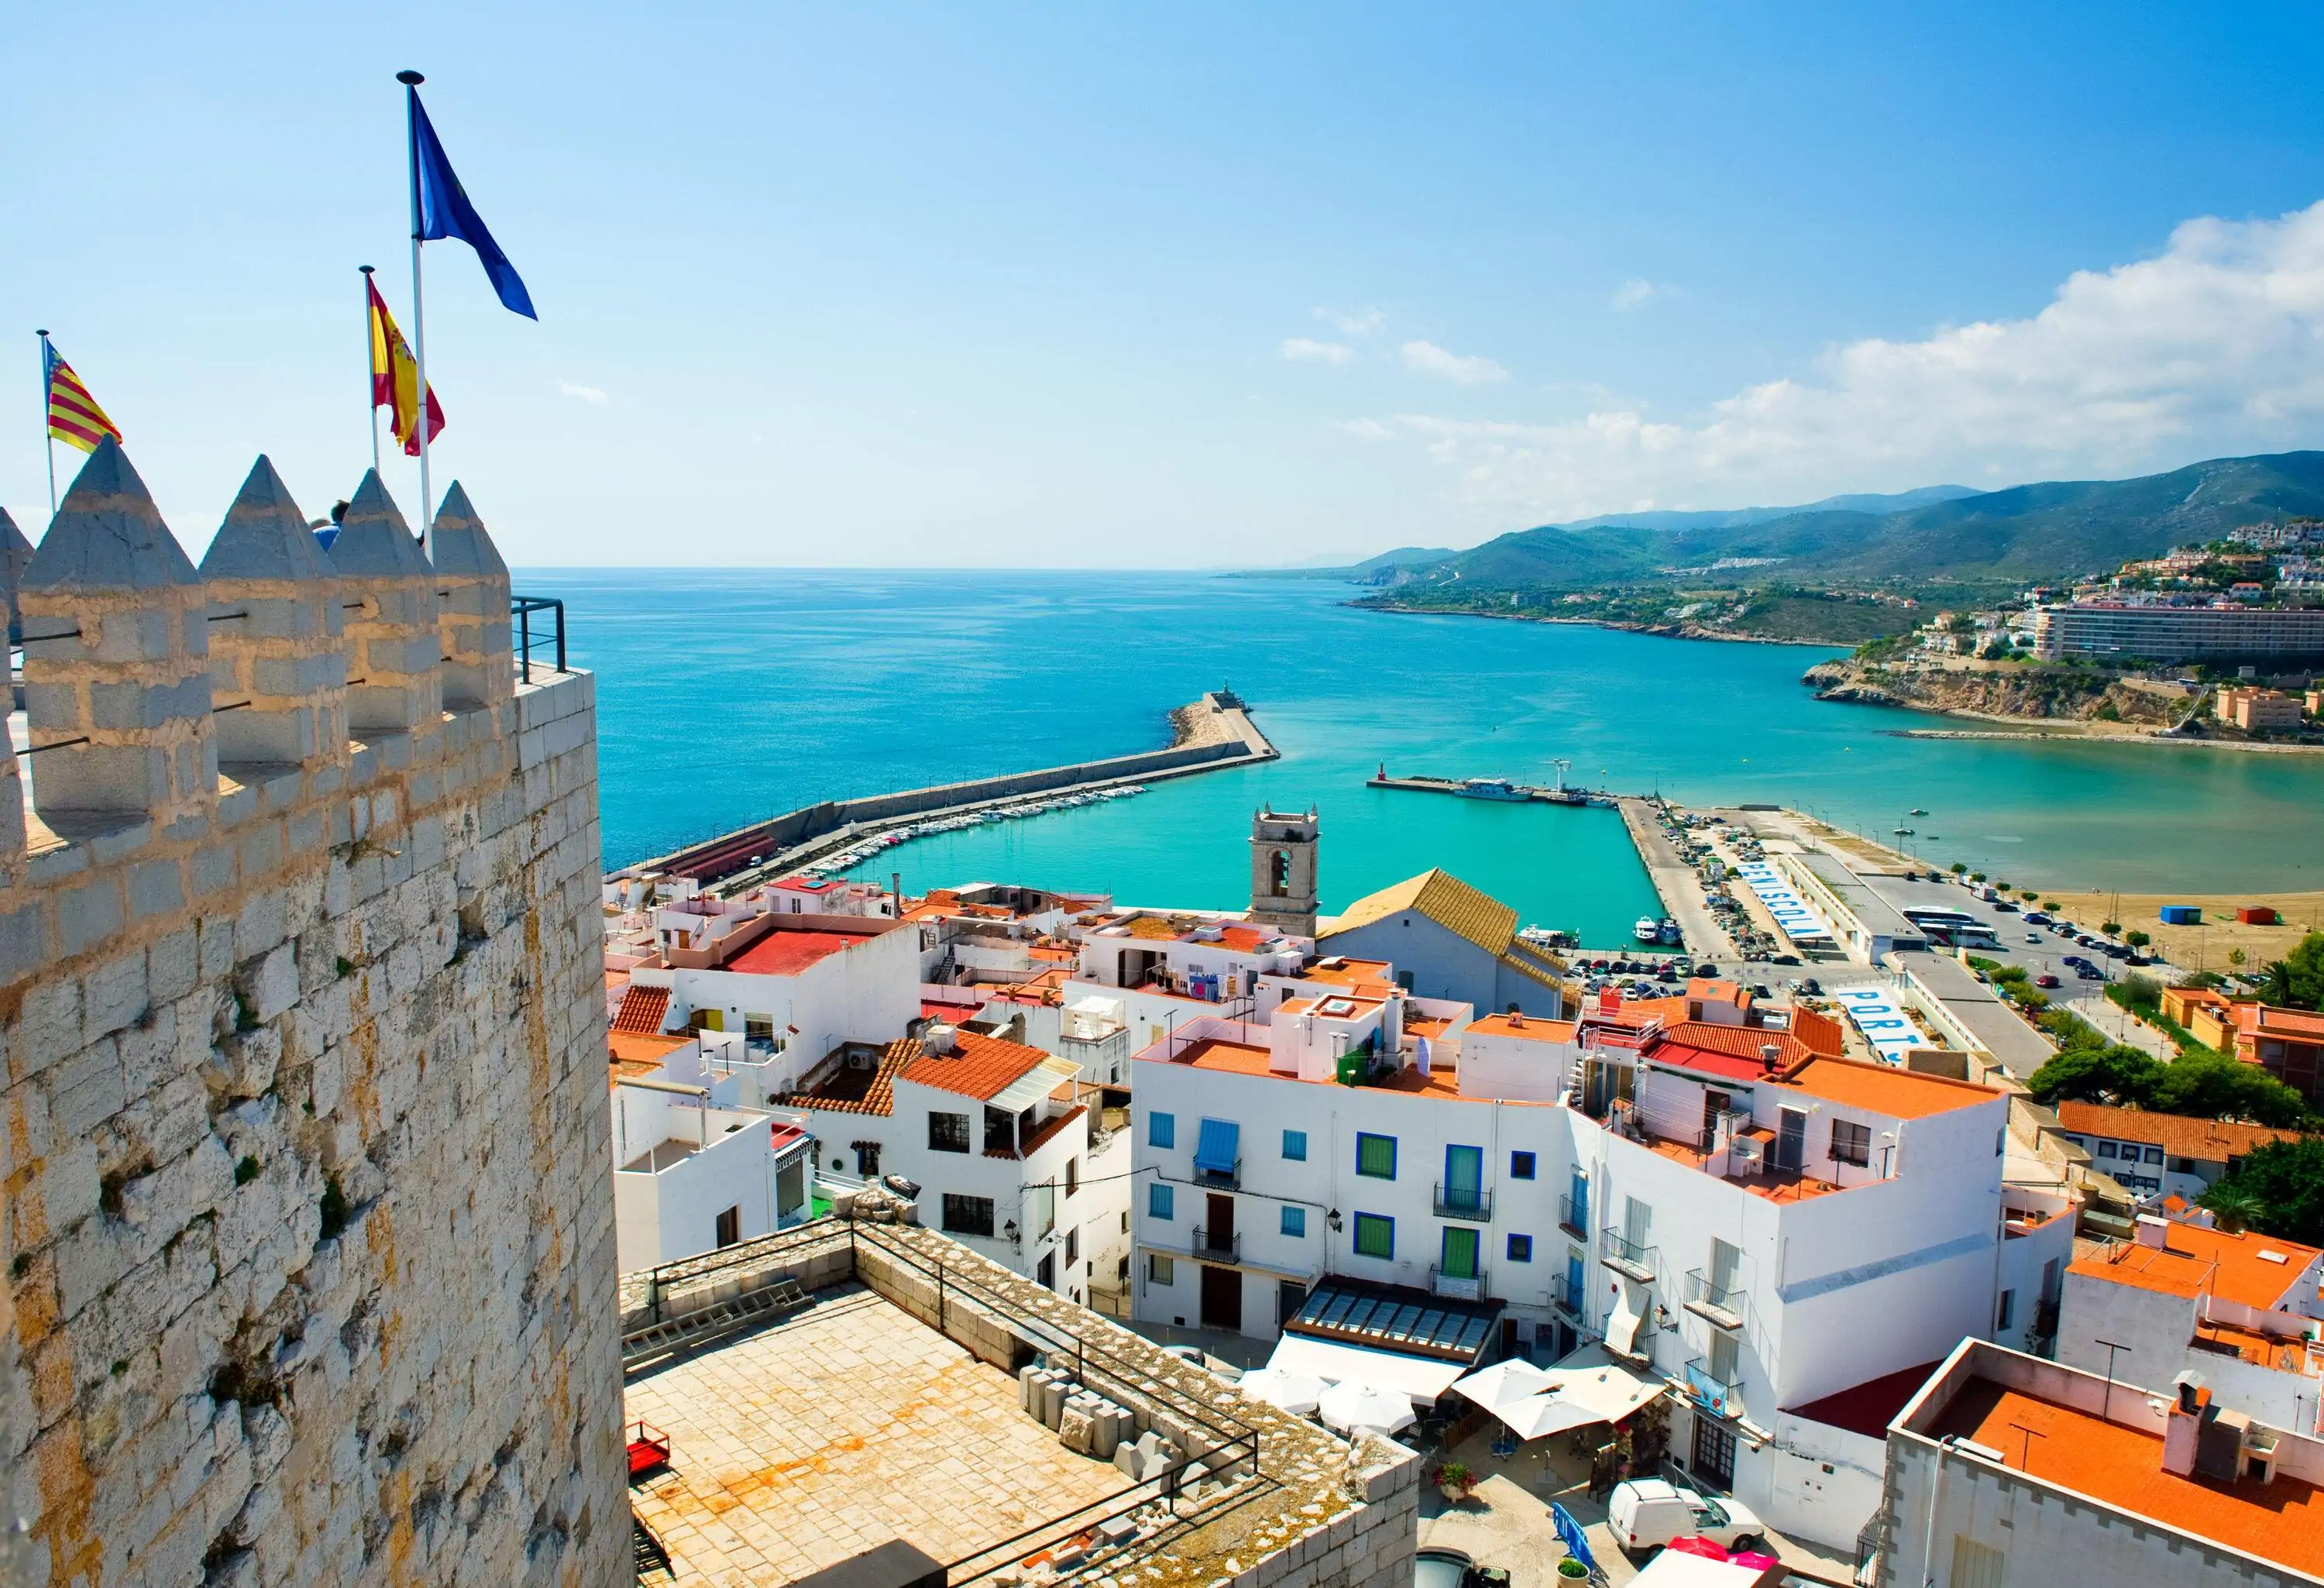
x=1077, y=1432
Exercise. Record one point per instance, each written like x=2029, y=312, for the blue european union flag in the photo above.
x=445, y=212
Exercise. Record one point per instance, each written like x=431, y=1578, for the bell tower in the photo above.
x=1283, y=872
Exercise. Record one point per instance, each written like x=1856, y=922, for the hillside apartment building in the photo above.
x=1765, y=1224
x=2159, y=632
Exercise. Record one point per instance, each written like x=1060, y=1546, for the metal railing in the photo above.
x=520, y=611
x=1219, y=1179
x=1723, y=1397
x=1573, y=1217
x=1225, y=1246
x=1572, y=1298
x=1630, y=1258
x=1467, y=1287
x=1722, y=1305
x=1464, y=1202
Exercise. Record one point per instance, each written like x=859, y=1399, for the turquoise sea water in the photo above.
x=726, y=696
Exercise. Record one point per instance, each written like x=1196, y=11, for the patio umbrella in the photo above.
x=1701, y=1546
x=1286, y=1388
x=1354, y=1407
x=1757, y=1560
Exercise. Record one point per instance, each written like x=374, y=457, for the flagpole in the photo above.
x=371, y=392
x=411, y=81
x=51, y=441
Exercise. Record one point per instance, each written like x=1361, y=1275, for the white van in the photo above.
x=1647, y=1513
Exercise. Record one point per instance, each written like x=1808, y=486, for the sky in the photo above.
x=1168, y=287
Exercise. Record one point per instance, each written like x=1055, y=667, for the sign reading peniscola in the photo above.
x=1883, y=1021
x=1800, y=924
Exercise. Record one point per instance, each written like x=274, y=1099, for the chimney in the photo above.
x=1770, y=1054
x=2182, y=1433
x=937, y=1038
x=2153, y=1231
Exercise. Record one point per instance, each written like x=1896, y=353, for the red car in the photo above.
x=2045, y=979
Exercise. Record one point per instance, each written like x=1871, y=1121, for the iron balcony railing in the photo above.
x=1629, y=1257
x=1722, y=1305
x=520, y=612
x=1568, y=1295
x=1219, y=1245
x=1229, y=1179
x=1573, y=1217
x=1721, y=1397
x=1467, y=1287
x=1464, y=1202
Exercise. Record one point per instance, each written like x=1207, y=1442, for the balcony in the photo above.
x=1629, y=1260
x=1721, y=1305
x=1217, y=1245
x=1224, y=1176
x=1458, y=1202
x=1569, y=1298
x=1573, y=1217
x=1457, y=1286
x=1721, y=1397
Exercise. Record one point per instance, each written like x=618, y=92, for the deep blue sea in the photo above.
x=727, y=696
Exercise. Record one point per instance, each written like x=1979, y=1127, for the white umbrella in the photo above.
x=1354, y=1407
x=1287, y=1388
x=1503, y=1383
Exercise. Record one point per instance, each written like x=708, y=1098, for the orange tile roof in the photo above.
x=977, y=1066
x=2268, y=1020
x=1531, y=1029
x=859, y=1091
x=2282, y=1521
x=1738, y=1041
x=642, y=1009
x=645, y=1046
x=1879, y=1088
x=2197, y=1260
x=2212, y=1141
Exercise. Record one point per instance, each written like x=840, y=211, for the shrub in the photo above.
x=1957, y=867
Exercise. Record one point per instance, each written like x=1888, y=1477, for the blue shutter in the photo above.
x=1218, y=1148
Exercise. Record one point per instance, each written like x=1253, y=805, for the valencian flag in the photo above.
x=395, y=378
x=442, y=210
x=74, y=417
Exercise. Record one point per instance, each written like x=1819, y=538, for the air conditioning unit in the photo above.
x=1745, y=1155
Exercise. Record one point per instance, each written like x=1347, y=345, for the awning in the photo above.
x=1586, y=1387
x=1422, y=1378
x=1218, y=1146
x=1623, y=1323
x=1032, y=1086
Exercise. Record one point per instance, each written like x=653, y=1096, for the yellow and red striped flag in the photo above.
x=395, y=378
x=74, y=417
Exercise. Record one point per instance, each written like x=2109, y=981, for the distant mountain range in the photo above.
x=1946, y=534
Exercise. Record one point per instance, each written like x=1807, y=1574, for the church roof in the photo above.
x=1439, y=896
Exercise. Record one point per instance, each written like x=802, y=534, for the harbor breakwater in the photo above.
x=1214, y=732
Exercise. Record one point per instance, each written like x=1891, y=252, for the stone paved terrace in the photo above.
x=884, y=1407
x=847, y=1424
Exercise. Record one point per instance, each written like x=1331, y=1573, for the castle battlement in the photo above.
x=304, y=1218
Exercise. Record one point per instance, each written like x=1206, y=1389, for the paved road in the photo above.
x=1678, y=883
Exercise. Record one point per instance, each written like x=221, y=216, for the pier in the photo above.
x=1214, y=733
x=1498, y=790
x=1675, y=882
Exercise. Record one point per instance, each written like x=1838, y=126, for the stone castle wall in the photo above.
x=308, y=1234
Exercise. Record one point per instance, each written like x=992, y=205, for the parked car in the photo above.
x=2034, y=937
x=2089, y=972
x=1810, y=986
x=1647, y=1513
x=1437, y=1567
x=1786, y=959
x=2037, y=917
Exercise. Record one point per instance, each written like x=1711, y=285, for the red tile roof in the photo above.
x=977, y=1066
x=642, y=1009
x=2210, y=1140
x=869, y=1090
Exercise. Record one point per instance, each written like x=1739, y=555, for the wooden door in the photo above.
x=1221, y=1298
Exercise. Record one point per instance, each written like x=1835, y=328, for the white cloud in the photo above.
x=2214, y=347
x=1302, y=349
x=1636, y=293
x=1362, y=322
x=1464, y=369
x=586, y=394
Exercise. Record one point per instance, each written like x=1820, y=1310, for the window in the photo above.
x=2182, y=1165
x=730, y=1226
x=759, y=1028
x=2155, y=1154
x=1161, y=1130
x=2103, y=1149
x=1376, y=1156
x=1161, y=1201
x=1457, y=1256
x=1294, y=1222
x=1520, y=1165
x=1295, y=1146
x=1160, y=1269
x=1073, y=1176
x=2005, y=1312
x=1850, y=1143
x=867, y=1160
x=1073, y=1244
x=1375, y=1235
x=1520, y=1249
x=1975, y=1564
x=948, y=1132
x=967, y=1216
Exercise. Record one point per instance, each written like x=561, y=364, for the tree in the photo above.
x=1957, y=867
x=2297, y=980
x=2280, y=1187
x=2236, y=956
x=2212, y=1086
x=2117, y=1075
x=2137, y=939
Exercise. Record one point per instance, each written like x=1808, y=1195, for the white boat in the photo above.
x=1491, y=789
x=1668, y=932
x=1647, y=930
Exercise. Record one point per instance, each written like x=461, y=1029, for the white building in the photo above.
x=1008, y=1151
x=1763, y=1225
x=2007, y=1469
x=2241, y=1309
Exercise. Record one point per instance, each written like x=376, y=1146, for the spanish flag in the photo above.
x=395, y=378
x=74, y=417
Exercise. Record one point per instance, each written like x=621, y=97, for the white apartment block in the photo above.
x=1762, y=1226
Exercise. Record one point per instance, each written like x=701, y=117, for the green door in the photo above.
x=1459, y=1260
